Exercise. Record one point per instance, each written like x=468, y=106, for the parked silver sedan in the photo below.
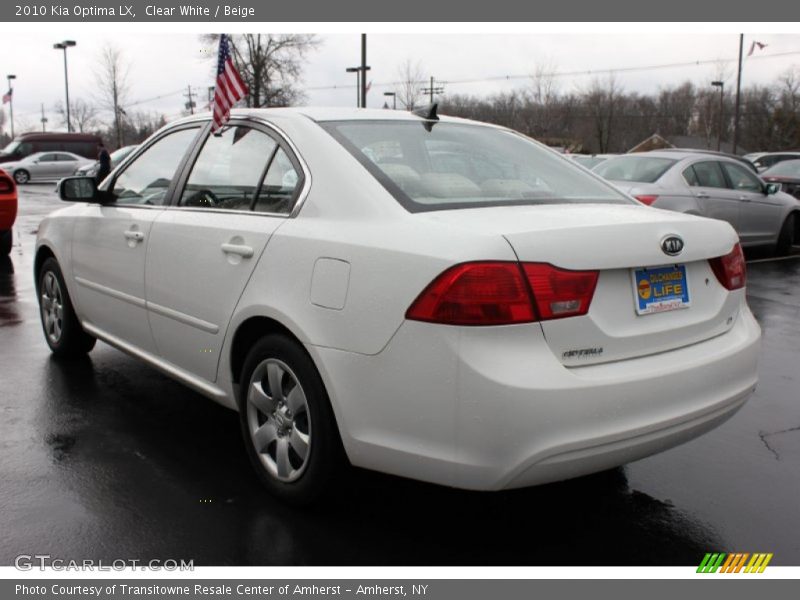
x=45, y=166
x=710, y=186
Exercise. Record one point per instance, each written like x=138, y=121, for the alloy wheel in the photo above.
x=52, y=307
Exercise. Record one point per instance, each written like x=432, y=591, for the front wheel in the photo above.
x=287, y=422
x=62, y=330
x=786, y=236
x=6, y=241
x=22, y=176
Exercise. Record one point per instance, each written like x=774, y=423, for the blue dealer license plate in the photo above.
x=660, y=289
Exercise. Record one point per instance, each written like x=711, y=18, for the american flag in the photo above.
x=7, y=96
x=230, y=88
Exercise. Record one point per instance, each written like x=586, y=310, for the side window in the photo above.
x=741, y=178
x=65, y=157
x=228, y=170
x=709, y=174
x=278, y=192
x=23, y=150
x=690, y=176
x=147, y=179
x=48, y=158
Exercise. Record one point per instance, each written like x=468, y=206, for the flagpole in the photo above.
x=738, y=95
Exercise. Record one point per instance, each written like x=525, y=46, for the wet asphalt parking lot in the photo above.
x=108, y=459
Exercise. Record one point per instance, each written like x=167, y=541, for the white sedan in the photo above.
x=45, y=166
x=430, y=297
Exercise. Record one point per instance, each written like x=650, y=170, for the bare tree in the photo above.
x=602, y=101
x=82, y=114
x=270, y=64
x=410, y=84
x=111, y=78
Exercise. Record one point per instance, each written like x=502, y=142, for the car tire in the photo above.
x=291, y=436
x=6, y=241
x=62, y=330
x=786, y=236
x=22, y=176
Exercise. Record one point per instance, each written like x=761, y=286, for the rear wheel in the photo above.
x=287, y=422
x=22, y=176
x=786, y=237
x=62, y=330
x=6, y=241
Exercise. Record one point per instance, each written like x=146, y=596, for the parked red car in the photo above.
x=8, y=211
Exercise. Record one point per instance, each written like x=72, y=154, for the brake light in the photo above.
x=646, y=199
x=497, y=293
x=560, y=293
x=479, y=293
x=730, y=269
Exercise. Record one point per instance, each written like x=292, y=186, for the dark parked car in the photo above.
x=82, y=144
x=787, y=173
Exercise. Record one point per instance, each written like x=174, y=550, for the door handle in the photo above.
x=239, y=249
x=701, y=195
x=745, y=199
x=136, y=236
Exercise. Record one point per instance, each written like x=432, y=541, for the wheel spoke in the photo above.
x=275, y=376
x=296, y=400
x=264, y=435
x=56, y=329
x=299, y=443
x=282, y=458
x=258, y=398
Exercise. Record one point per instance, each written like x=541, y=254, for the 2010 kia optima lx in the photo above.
x=430, y=297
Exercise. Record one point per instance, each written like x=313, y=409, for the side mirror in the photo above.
x=772, y=188
x=80, y=189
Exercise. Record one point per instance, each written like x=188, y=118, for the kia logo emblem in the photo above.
x=672, y=245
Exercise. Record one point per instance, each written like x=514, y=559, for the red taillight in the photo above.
x=730, y=269
x=479, y=293
x=558, y=292
x=497, y=293
x=646, y=199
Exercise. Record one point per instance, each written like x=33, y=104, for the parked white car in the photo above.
x=45, y=166
x=434, y=298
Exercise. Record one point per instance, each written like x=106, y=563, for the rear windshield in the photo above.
x=786, y=168
x=588, y=161
x=640, y=169
x=457, y=165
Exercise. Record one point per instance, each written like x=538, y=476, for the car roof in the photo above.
x=323, y=114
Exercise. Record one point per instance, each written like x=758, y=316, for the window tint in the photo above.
x=228, y=170
x=690, y=176
x=66, y=157
x=48, y=158
x=741, y=178
x=147, y=179
x=640, y=169
x=709, y=174
x=277, y=194
x=452, y=165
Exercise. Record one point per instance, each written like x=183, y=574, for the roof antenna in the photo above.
x=429, y=114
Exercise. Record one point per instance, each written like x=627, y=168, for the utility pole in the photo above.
x=364, y=69
x=63, y=46
x=738, y=93
x=43, y=119
x=190, y=104
x=433, y=89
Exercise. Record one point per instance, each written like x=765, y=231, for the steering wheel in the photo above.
x=204, y=197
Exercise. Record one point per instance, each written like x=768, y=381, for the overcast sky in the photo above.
x=162, y=64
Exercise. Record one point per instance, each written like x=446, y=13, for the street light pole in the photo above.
x=364, y=69
x=11, y=78
x=63, y=46
x=357, y=71
x=721, y=86
x=738, y=94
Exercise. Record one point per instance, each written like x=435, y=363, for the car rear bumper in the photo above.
x=8, y=212
x=492, y=408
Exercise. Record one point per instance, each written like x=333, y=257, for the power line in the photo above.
x=584, y=72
